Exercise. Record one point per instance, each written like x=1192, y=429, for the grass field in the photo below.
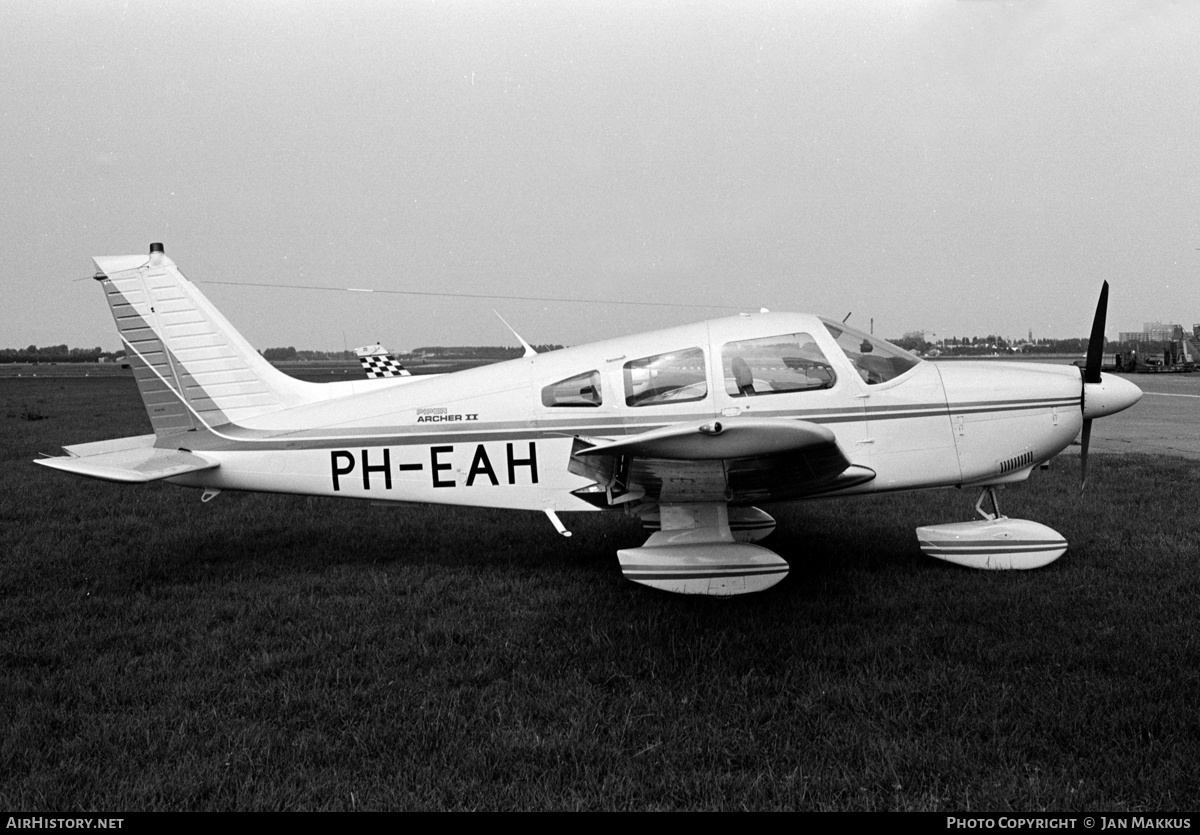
x=270, y=652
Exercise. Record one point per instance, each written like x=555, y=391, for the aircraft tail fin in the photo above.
x=193, y=368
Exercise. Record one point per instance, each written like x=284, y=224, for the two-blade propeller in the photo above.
x=1091, y=374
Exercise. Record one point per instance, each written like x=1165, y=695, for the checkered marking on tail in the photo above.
x=383, y=366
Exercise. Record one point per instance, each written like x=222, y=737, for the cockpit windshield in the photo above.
x=876, y=360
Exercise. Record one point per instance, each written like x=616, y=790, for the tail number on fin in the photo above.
x=376, y=466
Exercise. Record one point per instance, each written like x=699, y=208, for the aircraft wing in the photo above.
x=735, y=460
x=129, y=460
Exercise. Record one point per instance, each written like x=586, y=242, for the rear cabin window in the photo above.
x=580, y=390
x=677, y=377
x=775, y=365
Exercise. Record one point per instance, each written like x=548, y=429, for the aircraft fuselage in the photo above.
x=487, y=436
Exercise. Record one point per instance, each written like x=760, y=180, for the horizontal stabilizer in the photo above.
x=127, y=460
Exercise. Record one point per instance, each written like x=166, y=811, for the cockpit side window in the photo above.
x=875, y=359
x=580, y=390
x=677, y=377
x=775, y=365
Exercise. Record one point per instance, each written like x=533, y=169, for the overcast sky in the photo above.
x=960, y=167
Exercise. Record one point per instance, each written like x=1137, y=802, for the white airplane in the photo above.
x=687, y=428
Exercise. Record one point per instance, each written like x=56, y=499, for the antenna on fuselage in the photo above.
x=529, y=352
x=848, y=315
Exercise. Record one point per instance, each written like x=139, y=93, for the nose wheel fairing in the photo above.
x=994, y=542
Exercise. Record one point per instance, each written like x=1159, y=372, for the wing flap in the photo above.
x=127, y=460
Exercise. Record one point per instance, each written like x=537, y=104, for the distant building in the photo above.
x=923, y=336
x=1155, y=332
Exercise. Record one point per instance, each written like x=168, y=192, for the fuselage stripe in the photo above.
x=237, y=437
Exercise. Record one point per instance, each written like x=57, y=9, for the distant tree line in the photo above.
x=58, y=353
x=290, y=354
x=993, y=344
x=495, y=352
x=64, y=353
x=457, y=352
x=1078, y=345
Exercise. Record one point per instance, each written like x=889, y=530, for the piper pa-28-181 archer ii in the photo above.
x=688, y=428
